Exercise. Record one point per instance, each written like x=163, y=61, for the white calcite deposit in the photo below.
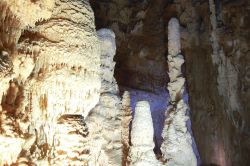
x=60, y=103
x=177, y=145
x=104, y=121
x=58, y=74
x=142, y=132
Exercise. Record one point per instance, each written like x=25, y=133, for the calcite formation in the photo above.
x=70, y=141
x=104, y=120
x=68, y=48
x=60, y=103
x=225, y=67
x=5, y=64
x=108, y=51
x=177, y=145
x=142, y=132
x=126, y=120
x=50, y=108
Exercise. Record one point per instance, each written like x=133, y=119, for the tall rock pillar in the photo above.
x=177, y=144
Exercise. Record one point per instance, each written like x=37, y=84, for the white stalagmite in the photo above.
x=66, y=76
x=174, y=40
x=177, y=145
x=104, y=121
x=142, y=132
x=108, y=50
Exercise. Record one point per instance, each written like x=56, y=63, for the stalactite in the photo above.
x=177, y=144
x=28, y=12
x=5, y=64
x=71, y=142
x=11, y=141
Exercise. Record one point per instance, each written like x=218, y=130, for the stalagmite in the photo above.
x=126, y=119
x=69, y=49
x=105, y=118
x=142, y=132
x=177, y=144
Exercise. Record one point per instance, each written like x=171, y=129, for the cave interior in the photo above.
x=125, y=82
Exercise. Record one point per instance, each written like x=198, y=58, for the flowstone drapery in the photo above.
x=68, y=48
x=55, y=81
